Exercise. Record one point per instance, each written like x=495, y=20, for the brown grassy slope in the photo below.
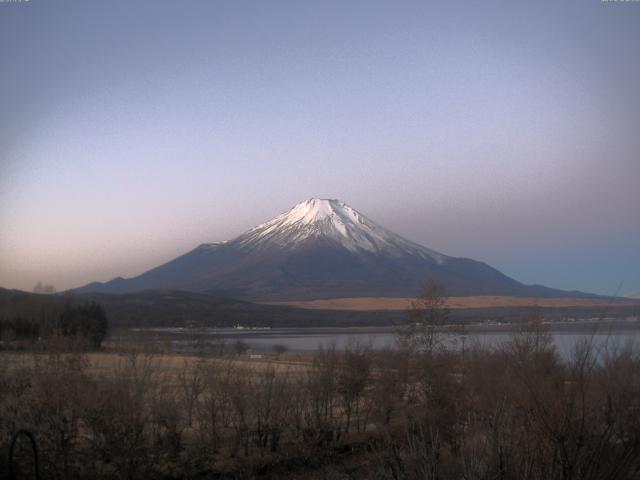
x=170, y=364
x=490, y=301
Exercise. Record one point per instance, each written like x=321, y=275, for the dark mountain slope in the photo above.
x=321, y=249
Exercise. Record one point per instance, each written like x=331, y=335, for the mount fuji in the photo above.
x=320, y=249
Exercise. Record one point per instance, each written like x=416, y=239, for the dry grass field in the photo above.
x=170, y=366
x=488, y=301
x=357, y=413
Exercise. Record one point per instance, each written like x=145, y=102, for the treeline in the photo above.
x=422, y=411
x=83, y=324
x=169, y=308
x=19, y=329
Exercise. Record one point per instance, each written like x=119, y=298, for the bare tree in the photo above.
x=216, y=408
x=279, y=349
x=353, y=377
x=240, y=347
x=321, y=387
x=389, y=384
x=191, y=383
x=423, y=330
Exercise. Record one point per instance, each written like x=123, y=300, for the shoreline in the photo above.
x=578, y=326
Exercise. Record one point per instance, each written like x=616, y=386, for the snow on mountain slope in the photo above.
x=332, y=220
x=320, y=249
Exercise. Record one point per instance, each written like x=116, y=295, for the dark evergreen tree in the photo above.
x=88, y=321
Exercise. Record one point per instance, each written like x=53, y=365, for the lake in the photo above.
x=300, y=340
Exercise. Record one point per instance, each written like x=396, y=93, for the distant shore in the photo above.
x=582, y=326
x=474, y=301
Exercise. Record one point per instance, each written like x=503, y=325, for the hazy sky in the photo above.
x=132, y=131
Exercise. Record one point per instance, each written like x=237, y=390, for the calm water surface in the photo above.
x=310, y=339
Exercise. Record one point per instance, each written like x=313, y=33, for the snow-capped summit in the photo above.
x=316, y=209
x=319, y=219
x=320, y=249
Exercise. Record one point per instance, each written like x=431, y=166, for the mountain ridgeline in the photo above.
x=320, y=249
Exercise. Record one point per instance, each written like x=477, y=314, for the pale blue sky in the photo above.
x=508, y=132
